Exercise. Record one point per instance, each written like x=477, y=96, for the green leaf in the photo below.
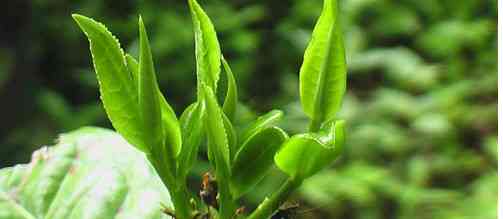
x=150, y=110
x=192, y=123
x=231, y=99
x=118, y=92
x=305, y=154
x=323, y=72
x=263, y=122
x=207, y=47
x=170, y=123
x=232, y=138
x=255, y=158
x=82, y=177
x=215, y=128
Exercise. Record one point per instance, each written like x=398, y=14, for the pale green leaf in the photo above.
x=83, y=177
x=323, y=72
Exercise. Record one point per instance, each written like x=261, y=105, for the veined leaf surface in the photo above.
x=82, y=177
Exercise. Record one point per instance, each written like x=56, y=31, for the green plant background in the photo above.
x=421, y=106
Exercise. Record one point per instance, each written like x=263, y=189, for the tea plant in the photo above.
x=141, y=114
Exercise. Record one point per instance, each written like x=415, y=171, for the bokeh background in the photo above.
x=421, y=104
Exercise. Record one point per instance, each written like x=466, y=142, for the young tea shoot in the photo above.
x=239, y=160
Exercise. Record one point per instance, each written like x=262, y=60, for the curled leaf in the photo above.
x=305, y=154
x=262, y=122
x=192, y=123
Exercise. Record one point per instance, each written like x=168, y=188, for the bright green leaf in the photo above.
x=148, y=99
x=231, y=99
x=192, y=125
x=255, y=158
x=207, y=47
x=118, y=92
x=323, y=73
x=305, y=154
x=263, y=122
x=170, y=123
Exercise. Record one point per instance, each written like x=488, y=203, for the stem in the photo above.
x=270, y=205
x=178, y=194
x=315, y=124
x=227, y=206
x=181, y=203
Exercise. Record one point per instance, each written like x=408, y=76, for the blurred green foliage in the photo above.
x=421, y=107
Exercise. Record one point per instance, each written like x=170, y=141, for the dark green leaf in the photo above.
x=231, y=99
x=255, y=158
x=323, y=73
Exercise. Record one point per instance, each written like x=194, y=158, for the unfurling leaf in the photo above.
x=231, y=99
x=192, y=125
x=218, y=144
x=323, y=72
x=170, y=124
x=255, y=158
x=207, y=48
x=305, y=154
x=262, y=122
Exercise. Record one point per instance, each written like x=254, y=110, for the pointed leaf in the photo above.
x=305, y=154
x=255, y=158
x=150, y=110
x=170, y=123
x=231, y=99
x=323, y=73
x=207, y=47
x=192, y=123
x=118, y=92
